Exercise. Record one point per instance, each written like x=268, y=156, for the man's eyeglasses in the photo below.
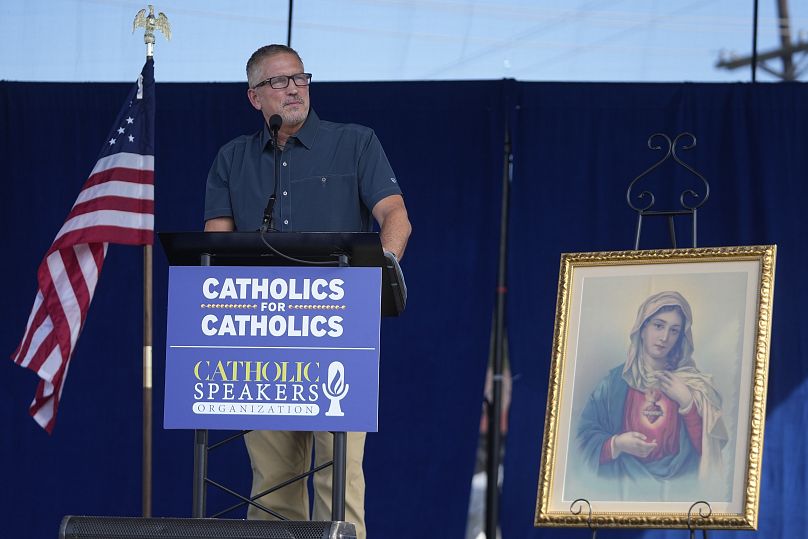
x=282, y=81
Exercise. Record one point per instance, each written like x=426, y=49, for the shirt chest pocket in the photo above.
x=334, y=188
x=325, y=202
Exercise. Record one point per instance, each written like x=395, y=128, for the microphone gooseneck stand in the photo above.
x=274, y=125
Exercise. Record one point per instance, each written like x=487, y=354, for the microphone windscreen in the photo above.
x=275, y=122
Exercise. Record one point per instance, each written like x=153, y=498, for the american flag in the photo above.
x=116, y=205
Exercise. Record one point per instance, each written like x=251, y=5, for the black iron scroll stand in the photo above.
x=689, y=200
x=704, y=512
x=577, y=506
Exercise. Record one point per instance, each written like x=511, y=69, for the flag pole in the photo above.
x=150, y=23
x=147, y=382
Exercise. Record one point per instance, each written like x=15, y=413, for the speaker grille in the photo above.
x=74, y=527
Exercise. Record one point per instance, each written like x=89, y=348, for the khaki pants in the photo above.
x=280, y=455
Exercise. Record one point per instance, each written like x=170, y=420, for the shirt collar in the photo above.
x=305, y=135
x=308, y=132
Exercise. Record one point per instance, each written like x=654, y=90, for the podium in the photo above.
x=240, y=251
x=362, y=249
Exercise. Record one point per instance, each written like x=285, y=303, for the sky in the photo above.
x=364, y=40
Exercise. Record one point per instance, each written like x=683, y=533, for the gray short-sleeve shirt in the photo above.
x=331, y=177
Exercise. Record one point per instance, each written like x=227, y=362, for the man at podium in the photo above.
x=332, y=178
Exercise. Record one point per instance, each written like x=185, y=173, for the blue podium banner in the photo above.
x=273, y=348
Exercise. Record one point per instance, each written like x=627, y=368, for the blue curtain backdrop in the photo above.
x=576, y=147
x=433, y=358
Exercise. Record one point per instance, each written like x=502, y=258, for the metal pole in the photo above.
x=495, y=405
x=754, y=42
x=289, y=25
x=200, y=472
x=200, y=449
x=338, y=477
x=147, y=381
x=150, y=23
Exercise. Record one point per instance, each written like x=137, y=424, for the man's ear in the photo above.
x=254, y=98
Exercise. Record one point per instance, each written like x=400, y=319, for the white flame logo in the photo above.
x=336, y=389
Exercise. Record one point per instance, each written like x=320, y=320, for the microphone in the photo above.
x=274, y=124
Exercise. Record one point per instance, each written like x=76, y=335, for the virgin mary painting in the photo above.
x=655, y=418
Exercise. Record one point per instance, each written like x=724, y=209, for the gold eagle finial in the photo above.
x=151, y=23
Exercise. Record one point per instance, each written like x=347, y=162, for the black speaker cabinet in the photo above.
x=76, y=527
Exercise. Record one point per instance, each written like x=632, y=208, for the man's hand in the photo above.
x=220, y=224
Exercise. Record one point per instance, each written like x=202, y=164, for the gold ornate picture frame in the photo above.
x=657, y=390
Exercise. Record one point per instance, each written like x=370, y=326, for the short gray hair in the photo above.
x=265, y=52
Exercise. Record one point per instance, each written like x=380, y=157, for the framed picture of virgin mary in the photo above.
x=657, y=392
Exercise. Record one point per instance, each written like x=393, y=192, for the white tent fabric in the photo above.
x=571, y=40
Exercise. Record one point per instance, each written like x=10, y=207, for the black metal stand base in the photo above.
x=201, y=479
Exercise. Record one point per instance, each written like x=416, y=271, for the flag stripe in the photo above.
x=35, y=319
x=51, y=365
x=34, y=311
x=46, y=401
x=39, y=354
x=112, y=218
x=125, y=236
x=130, y=175
x=113, y=203
x=115, y=188
x=123, y=160
x=42, y=408
x=35, y=338
x=78, y=282
x=61, y=328
x=66, y=295
x=83, y=253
